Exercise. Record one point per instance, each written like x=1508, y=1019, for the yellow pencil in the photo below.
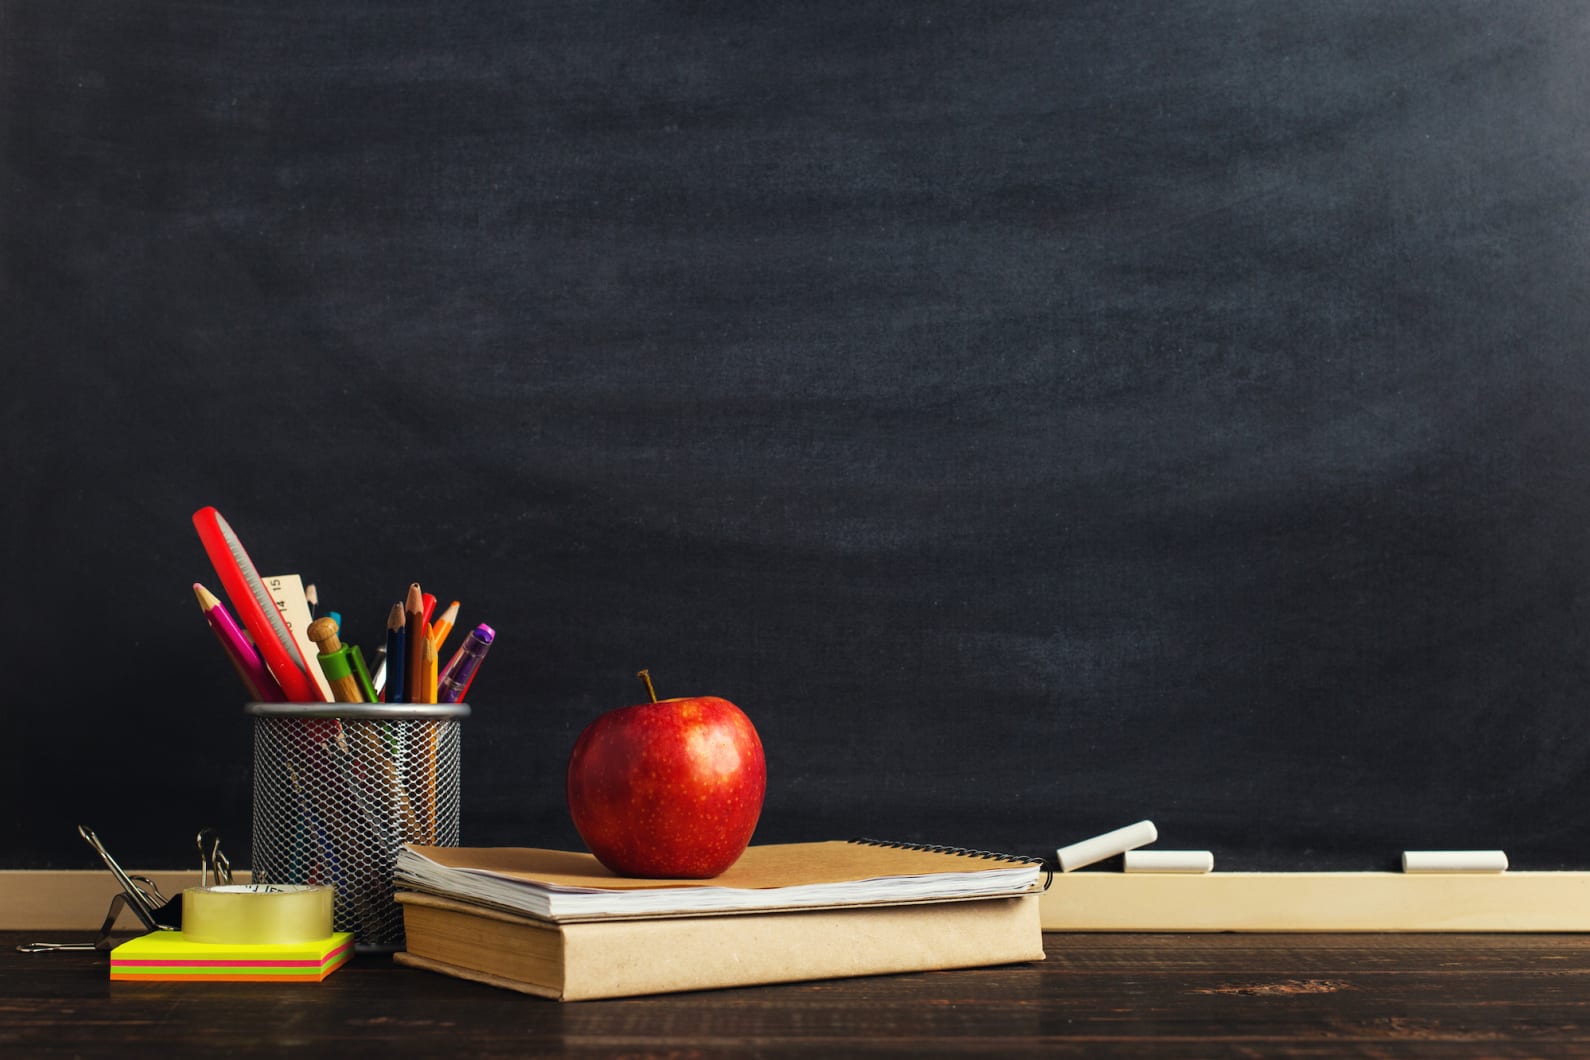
x=427, y=672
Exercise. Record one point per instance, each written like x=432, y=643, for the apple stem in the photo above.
x=645, y=675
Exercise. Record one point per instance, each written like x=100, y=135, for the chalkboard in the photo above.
x=1035, y=416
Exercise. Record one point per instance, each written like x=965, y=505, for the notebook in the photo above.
x=565, y=886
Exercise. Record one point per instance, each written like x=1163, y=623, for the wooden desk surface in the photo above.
x=1098, y=995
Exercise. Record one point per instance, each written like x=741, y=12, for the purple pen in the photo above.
x=461, y=668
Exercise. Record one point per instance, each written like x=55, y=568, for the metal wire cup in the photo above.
x=340, y=787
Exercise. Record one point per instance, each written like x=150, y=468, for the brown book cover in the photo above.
x=654, y=955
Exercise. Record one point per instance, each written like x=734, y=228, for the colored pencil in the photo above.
x=444, y=625
x=415, y=639
x=396, y=661
x=427, y=690
x=256, y=676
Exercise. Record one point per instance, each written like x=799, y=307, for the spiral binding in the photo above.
x=932, y=848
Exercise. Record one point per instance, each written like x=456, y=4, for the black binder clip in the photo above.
x=138, y=893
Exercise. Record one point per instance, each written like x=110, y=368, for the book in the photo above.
x=609, y=958
x=1318, y=901
x=166, y=957
x=564, y=886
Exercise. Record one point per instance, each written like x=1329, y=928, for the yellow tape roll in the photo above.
x=256, y=913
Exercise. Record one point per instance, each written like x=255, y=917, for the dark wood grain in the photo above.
x=1096, y=996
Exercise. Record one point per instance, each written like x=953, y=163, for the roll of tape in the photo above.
x=256, y=913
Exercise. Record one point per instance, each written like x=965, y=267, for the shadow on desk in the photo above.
x=1097, y=995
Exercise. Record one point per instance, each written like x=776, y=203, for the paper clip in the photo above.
x=138, y=893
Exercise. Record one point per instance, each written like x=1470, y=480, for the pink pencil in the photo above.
x=245, y=659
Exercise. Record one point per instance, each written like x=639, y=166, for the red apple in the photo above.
x=670, y=788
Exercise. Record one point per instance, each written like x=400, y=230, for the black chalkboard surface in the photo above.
x=1037, y=417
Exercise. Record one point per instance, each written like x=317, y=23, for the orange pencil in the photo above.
x=444, y=625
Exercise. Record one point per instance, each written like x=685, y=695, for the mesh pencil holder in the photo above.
x=340, y=787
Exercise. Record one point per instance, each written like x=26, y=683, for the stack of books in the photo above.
x=557, y=924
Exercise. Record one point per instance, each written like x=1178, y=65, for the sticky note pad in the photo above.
x=167, y=957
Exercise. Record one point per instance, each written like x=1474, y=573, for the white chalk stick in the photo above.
x=1454, y=861
x=1107, y=845
x=1169, y=861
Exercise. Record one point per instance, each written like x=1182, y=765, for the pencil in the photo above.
x=428, y=692
x=245, y=660
x=396, y=660
x=427, y=689
x=415, y=639
x=444, y=625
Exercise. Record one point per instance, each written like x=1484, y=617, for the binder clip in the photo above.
x=211, y=861
x=140, y=894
